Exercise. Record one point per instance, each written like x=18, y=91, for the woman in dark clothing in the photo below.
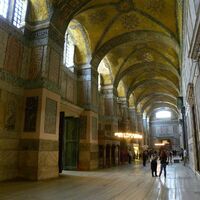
x=154, y=165
x=163, y=162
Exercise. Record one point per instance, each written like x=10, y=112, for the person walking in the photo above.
x=154, y=164
x=184, y=157
x=163, y=162
x=170, y=157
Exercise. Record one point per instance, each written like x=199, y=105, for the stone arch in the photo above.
x=155, y=109
x=62, y=12
x=136, y=37
x=142, y=66
x=145, y=48
x=161, y=105
x=167, y=101
x=154, y=95
x=81, y=40
x=152, y=81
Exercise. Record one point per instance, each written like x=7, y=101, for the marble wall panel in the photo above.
x=2, y=115
x=54, y=66
x=108, y=103
x=47, y=173
x=50, y=116
x=9, y=158
x=48, y=159
x=82, y=92
x=36, y=62
x=8, y=173
x=75, y=92
x=9, y=144
x=94, y=94
x=10, y=109
x=8, y=164
x=70, y=90
x=68, y=84
x=14, y=55
x=28, y=159
x=31, y=109
x=25, y=62
x=3, y=43
x=63, y=85
x=94, y=155
x=83, y=127
x=94, y=128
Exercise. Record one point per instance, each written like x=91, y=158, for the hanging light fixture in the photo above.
x=128, y=135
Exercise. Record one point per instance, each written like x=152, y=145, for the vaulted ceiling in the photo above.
x=136, y=41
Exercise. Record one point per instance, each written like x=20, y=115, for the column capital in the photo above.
x=109, y=90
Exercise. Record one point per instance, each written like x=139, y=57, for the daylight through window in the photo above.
x=163, y=114
x=4, y=8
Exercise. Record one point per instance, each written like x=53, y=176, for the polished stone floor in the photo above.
x=130, y=182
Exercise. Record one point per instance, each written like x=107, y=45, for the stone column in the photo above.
x=145, y=131
x=109, y=118
x=125, y=114
x=133, y=118
x=88, y=99
x=38, y=157
x=139, y=122
x=140, y=126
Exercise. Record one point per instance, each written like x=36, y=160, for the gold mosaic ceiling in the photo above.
x=138, y=41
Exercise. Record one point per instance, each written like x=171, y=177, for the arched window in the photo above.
x=14, y=11
x=69, y=51
x=99, y=82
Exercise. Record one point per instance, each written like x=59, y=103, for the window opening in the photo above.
x=18, y=13
x=163, y=114
x=69, y=51
x=4, y=8
x=14, y=11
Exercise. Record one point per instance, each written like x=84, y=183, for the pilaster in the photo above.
x=125, y=123
x=88, y=88
x=133, y=118
x=38, y=158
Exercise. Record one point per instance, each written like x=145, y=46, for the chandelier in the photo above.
x=128, y=135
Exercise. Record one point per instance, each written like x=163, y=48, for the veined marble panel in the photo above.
x=4, y=37
x=48, y=159
x=54, y=66
x=9, y=158
x=50, y=116
x=14, y=55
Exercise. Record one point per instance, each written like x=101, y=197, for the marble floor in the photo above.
x=129, y=182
